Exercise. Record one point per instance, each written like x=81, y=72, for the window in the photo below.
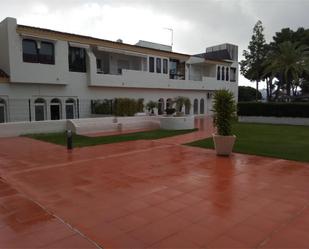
x=70, y=108
x=227, y=74
x=218, y=73
x=222, y=74
x=55, y=109
x=202, y=105
x=39, y=109
x=195, y=106
x=2, y=111
x=46, y=53
x=30, y=51
x=151, y=64
x=165, y=61
x=233, y=74
x=158, y=65
x=77, y=59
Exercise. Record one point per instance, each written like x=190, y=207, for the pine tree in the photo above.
x=252, y=66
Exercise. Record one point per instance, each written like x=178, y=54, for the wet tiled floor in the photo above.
x=149, y=194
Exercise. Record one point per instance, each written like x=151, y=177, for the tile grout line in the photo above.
x=55, y=216
x=285, y=224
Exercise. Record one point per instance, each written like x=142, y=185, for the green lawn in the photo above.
x=280, y=141
x=82, y=141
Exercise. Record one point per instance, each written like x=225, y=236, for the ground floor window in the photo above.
x=202, y=105
x=55, y=109
x=70, y=109
x=2, y=111
x=40, y=109
x=161, y=106
x=195, y=106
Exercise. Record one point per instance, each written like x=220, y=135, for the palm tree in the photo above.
x=288, y=63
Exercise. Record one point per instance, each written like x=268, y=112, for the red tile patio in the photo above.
x=149, y=194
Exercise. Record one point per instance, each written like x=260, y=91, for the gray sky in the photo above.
x=196, y=23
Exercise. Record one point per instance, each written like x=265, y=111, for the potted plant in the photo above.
x=224, y=110
x=180, y=102
x=150, y=106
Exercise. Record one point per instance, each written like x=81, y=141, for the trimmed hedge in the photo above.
x=273, y=109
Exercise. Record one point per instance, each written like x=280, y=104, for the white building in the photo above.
x=46, y=74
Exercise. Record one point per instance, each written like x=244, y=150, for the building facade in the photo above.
x=50, y=75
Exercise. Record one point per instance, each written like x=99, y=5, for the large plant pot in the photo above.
x=224, y=144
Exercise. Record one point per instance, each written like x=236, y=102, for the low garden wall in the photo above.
x=14, y=129
x=79, y=126
x=274, y=113
x=177, y=123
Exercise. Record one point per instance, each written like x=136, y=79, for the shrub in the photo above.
x=102, y=106
x=125, y=107
x=274, y=109
x=140, y=105
x=170, y=111
x=224, y=109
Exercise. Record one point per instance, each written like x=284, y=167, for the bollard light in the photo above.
x=69, y=139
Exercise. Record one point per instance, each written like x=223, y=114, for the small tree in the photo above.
x=182, y=101
x=224, y=111
x=151, y=105
x=252, y=66
x=248, y=93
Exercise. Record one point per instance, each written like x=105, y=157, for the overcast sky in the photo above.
x=196, y=23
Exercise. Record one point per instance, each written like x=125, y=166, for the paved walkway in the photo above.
x=149, y=194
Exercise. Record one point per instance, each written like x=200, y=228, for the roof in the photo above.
x=215, y=55
x=58, y=35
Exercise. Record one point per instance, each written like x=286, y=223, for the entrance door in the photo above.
x=55, y=112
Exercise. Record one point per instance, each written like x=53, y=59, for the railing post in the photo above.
x=69, y=137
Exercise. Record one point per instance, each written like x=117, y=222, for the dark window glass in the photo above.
x=222, y=74
x=158, y=65
x=151, y=64
x=218, y=73
x=227, y=76
x=30, y=51
x=165, y=61
x=77, y=59
x=46, y=53
x=233, y=74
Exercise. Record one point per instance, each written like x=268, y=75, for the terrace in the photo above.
x=149, y=194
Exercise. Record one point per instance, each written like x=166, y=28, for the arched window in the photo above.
x=2, y=111
x=39, y=109
x=218, y=73
x=202, y=106
x=70, y=109
x=55, y=109
x=161, y=106
x=169, y=103
x=227, y=75
x=222, y=74
x=195, y=106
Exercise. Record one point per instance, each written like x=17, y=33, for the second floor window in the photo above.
x=151, y=64
x=165, y=63
x=222, y=74
x=227, y=76
x=47, y=54
x=158, y=65
x=30, y=51
x=44, y=53
x=218, y=73
x=77, y=59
